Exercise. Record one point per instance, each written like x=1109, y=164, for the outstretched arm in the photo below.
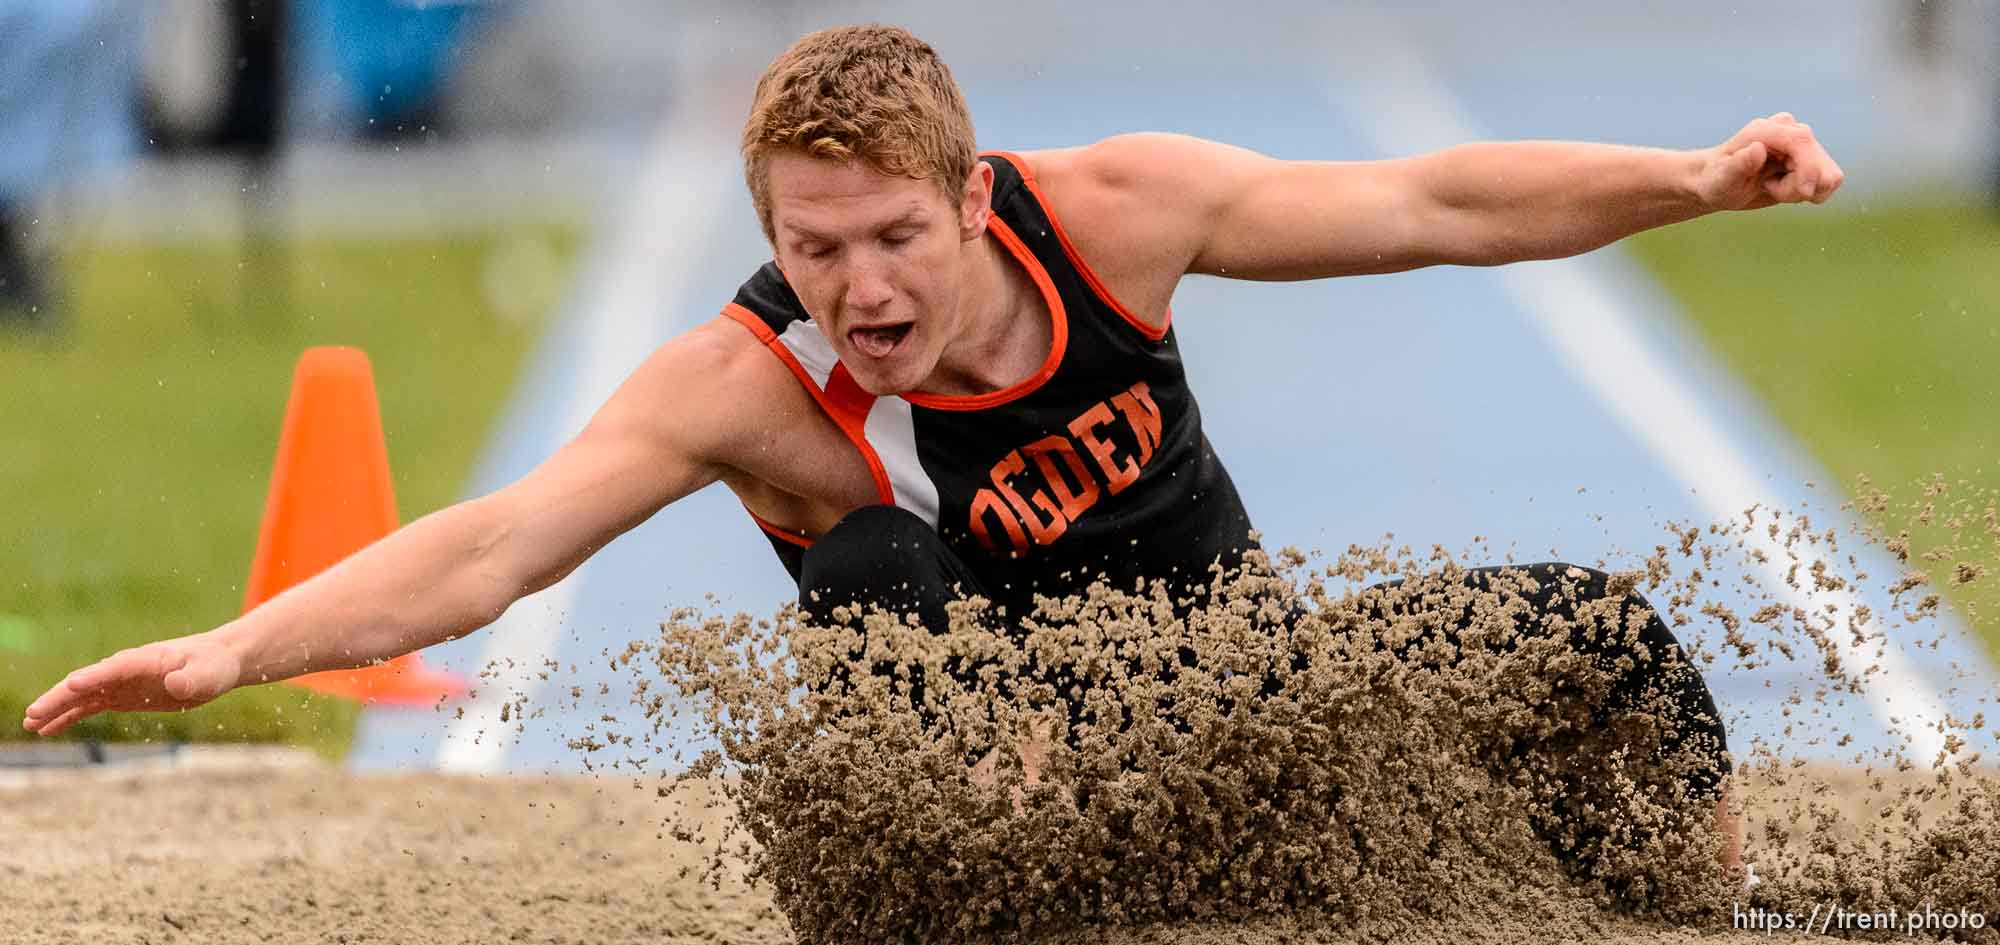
x=450, y=572
x=1212, y=208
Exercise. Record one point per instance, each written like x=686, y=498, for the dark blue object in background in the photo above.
x=392, y=59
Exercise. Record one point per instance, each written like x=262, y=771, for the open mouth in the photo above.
x=879, y=341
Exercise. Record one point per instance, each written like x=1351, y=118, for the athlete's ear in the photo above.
x=977, y=204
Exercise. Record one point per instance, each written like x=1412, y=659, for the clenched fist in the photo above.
x=1771, y=161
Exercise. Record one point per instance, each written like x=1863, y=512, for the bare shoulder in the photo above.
x=1137, y=161
x=674, y=426
x=1134, y=207
x=707, y=393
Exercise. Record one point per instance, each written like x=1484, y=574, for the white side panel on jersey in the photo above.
x=894, y=435
x=889, y=428
x=810, y=346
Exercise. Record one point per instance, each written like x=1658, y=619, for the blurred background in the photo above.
x=507, y=203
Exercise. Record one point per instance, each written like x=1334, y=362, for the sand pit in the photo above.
x=316, y=855
x=310, y=856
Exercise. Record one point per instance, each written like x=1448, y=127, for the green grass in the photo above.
x=1874, y=334
x=139, y=445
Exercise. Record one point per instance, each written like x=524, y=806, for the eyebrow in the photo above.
x=911, y=215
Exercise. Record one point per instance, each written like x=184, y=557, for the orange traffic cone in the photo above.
x=330, y=497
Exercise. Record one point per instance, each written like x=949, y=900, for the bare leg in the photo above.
x=1729, y=823
x=1034, y=753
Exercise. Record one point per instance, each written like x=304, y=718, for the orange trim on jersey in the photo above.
x=748, y=319
x=848, y=404
x=780, y=533
x=1058, y=343
x=844, y=411
x=1076, y=258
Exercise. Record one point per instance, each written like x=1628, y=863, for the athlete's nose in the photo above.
x=867, y=283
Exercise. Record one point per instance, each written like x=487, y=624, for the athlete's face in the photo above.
x=878, y=262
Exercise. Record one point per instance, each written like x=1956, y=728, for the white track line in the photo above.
x=1394, y=97
x=640, y=270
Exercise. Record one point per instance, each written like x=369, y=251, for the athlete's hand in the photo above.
x=1771, y=161
x=1034, y=754
x=171, y=674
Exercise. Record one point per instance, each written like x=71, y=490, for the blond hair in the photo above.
x=875, y=93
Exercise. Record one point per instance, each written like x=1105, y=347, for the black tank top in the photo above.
x=1094, y=466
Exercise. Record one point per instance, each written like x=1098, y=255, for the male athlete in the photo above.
x=957, y=373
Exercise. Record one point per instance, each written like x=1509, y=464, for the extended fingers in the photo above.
x=152, y=662
x=92, y=677
x=117, y=666
x=58, y=709
x=54, y=702
x=96, y=688
x=66, y=720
